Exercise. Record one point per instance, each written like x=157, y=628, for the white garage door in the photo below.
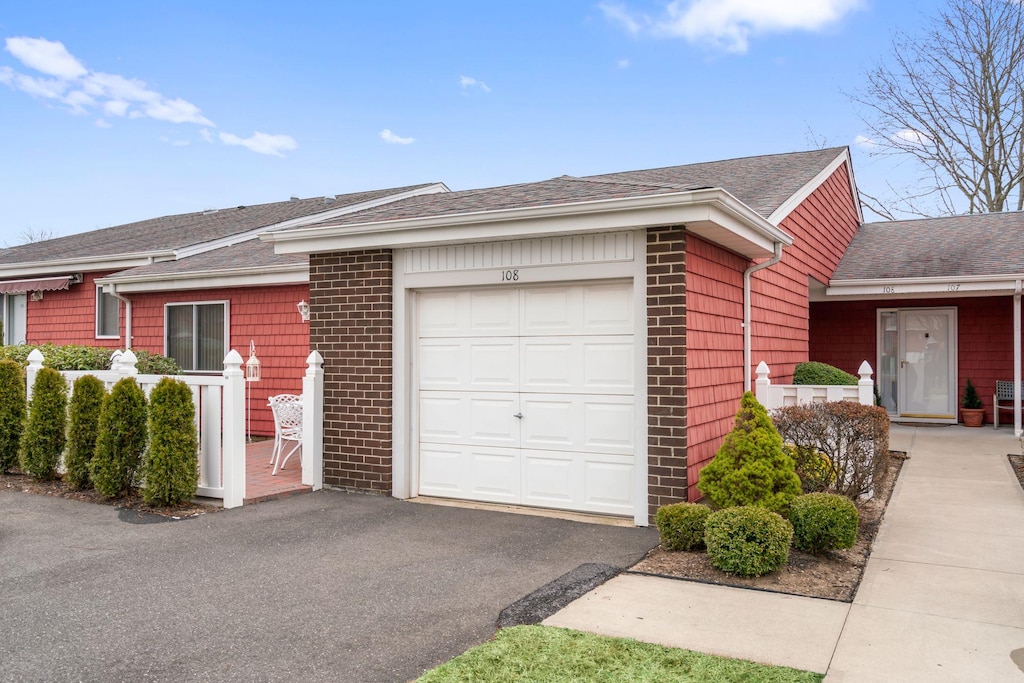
x=526, y=396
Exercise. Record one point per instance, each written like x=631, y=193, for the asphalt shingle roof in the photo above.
x=763, y=183
x=955, y=246
x=246, y=255
x=182, y=230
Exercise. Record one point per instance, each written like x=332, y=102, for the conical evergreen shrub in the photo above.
x=170, y=470
x=12, y=412
x=83, y=426
x=751, y=467
x=121, y=440
x=43, y=441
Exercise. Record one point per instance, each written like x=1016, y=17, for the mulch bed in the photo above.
x=132, y=508
x=1017, y=462
x=834, y=575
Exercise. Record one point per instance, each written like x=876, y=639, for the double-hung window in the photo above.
x=108, y=312
x=196, y=335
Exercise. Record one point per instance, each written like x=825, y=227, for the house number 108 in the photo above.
x=509, y=275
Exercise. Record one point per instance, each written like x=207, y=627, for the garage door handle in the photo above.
x=518, y=416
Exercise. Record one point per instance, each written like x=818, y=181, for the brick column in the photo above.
x=666, y=366
x=350, y=297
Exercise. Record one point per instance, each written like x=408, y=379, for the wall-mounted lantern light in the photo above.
x=303, y=310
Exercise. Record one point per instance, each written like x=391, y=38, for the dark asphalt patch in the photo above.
x=139, y=517
x=548, y=599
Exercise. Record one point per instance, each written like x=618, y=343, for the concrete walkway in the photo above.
x=942, y=597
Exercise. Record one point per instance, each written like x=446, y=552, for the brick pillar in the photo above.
x=350, y=296
x=666, y=366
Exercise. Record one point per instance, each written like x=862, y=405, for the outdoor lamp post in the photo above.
x=253, y=373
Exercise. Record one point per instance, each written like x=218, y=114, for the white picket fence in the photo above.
x=220, y=418
x=773, y=396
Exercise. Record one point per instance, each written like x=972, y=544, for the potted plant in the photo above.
x=971, y=407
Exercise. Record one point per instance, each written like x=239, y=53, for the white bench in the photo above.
x=1003, y=399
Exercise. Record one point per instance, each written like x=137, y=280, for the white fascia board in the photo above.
x=895, y=288
x=787, y=207
x=239, y=277
x=330, y=214
x=713, y=212
x=90, y=264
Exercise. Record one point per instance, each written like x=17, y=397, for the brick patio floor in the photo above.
x=260, y=485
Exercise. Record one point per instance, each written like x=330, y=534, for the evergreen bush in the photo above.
x=43, y=441
x=971, y=400
x=83, y=426
x=748, y=540
x=823, y=521
x=170, y=471
x=822, y=374
x=121, y=439
x=681, y=525
x=812, y=467
x=12, y=412
x=751, y=467
x=75, y=357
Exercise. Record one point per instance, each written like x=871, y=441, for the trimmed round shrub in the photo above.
x=822, y=374
x=681, y=525
x=43, y=441
x=751, y=467
x=121, y=440
x=75, y=357
x=83, y=426
x=813, y=467
x=748, y=540
x=170, y=471
x=823, y=521
x=12, y=412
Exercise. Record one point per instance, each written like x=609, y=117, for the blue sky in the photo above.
x=119, y=111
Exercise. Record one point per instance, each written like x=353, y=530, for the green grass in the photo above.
x=542, y=654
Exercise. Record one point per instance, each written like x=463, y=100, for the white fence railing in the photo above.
x=773, y=396
x=220, y=417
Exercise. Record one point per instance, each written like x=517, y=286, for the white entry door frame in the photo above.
x=918, y=363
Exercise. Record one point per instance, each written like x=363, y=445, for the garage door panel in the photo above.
x=494, y=474
x=469, y=418
x=493, y=364
x=579, y=422
x=586, y=482
x=607, y=365
x=577, y=310
x=607, y=308
x=491, y=312
x=550, y=479
x=476, y=473
x=599, y=365
x=442, y=470
x=608, y=485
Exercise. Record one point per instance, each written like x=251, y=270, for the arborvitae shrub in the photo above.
x=823, y=521
x=822, y=374
x=83, y=426
x=121, y=440
x=971, y=400
x=12, y=412
x=751, y=467
x=170, y=471
x=43, y=441
x=681, y=525
x=748, y=540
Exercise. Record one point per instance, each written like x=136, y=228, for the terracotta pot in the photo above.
x=973, y=417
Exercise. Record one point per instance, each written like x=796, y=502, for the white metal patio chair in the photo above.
x=287, y=409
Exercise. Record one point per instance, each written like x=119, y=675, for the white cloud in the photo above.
x=470, y=82
x=912, y=137
x=206, y=134
x=729, y=24
x=115, y=107
x=46, y=56
x=262, y=143
x=176, y=111
x=622, y=63
x=101, y=123
x=865, y=142
x=175, y=143
x=387, y=136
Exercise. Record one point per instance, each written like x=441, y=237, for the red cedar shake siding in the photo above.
x=821, y=226
x=843, y=333
x=265, y=315
x=666, y=367
x=351, y=300
x=68, y=316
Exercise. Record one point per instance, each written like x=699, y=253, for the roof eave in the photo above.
x=211, y=279
x=87, y=264
x=913, y=287
x=713, y=214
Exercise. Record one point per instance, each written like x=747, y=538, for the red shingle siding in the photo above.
x=68, y=316
x=351, y=299
x=264, y=315
x=821, y=226
x=666, y=367
x=844, y=334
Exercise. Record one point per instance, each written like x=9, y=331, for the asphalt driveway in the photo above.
x=326, y=586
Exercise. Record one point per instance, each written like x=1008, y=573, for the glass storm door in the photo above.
x=15, y=318
x=917, y=368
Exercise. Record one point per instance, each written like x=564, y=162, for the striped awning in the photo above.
x=39, y=284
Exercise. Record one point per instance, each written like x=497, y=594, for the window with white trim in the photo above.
x=196, y=335
x=108, y=315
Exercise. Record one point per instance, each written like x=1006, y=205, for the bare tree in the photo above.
x=30, y=235
x=953, y=101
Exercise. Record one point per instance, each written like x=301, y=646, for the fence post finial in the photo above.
x=35, y=364
x=313, y=422
x=126, y=363
x=866, y=386
x=762, y=383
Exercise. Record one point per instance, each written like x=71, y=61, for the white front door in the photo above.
x=15, y=318
x=917, y=363
x=526, y=396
